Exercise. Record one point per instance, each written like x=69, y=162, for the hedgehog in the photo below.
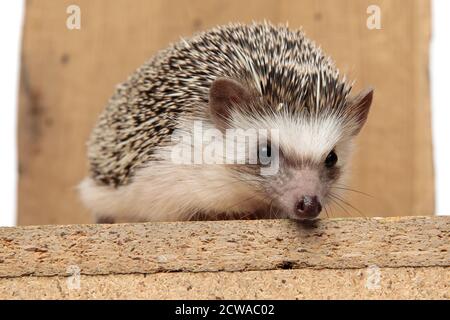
x=241, y=121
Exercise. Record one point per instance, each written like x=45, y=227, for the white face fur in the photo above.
x=302, y=157
x=313, y=151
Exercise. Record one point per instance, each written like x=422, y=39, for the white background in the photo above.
x=11, y=13
x=440, y=106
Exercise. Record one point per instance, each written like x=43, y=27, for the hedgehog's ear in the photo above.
x=358, y=109
x=224, y=95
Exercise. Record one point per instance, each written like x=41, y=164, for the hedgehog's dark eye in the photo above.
x=331, y=159
x=265, y=153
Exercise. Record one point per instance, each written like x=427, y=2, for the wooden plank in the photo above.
x=393, y=283
x=68, y=75
x=225, y=246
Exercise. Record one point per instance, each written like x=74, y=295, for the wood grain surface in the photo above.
x=394, y=283
x=225, y=246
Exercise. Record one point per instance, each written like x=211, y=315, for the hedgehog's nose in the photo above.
x=308, y=207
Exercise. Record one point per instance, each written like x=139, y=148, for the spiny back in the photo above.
x=281, y=64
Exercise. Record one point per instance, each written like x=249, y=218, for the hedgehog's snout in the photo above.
x=308, y=207
x=301, y=194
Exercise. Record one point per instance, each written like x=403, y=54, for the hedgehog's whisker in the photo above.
x=329, y=207
x=242, y=201
x=333, y=200
x=326, y=211
x=353, y=190
x=271, y=209
x=347, y=203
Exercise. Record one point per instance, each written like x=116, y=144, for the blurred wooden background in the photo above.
x=68, y=75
